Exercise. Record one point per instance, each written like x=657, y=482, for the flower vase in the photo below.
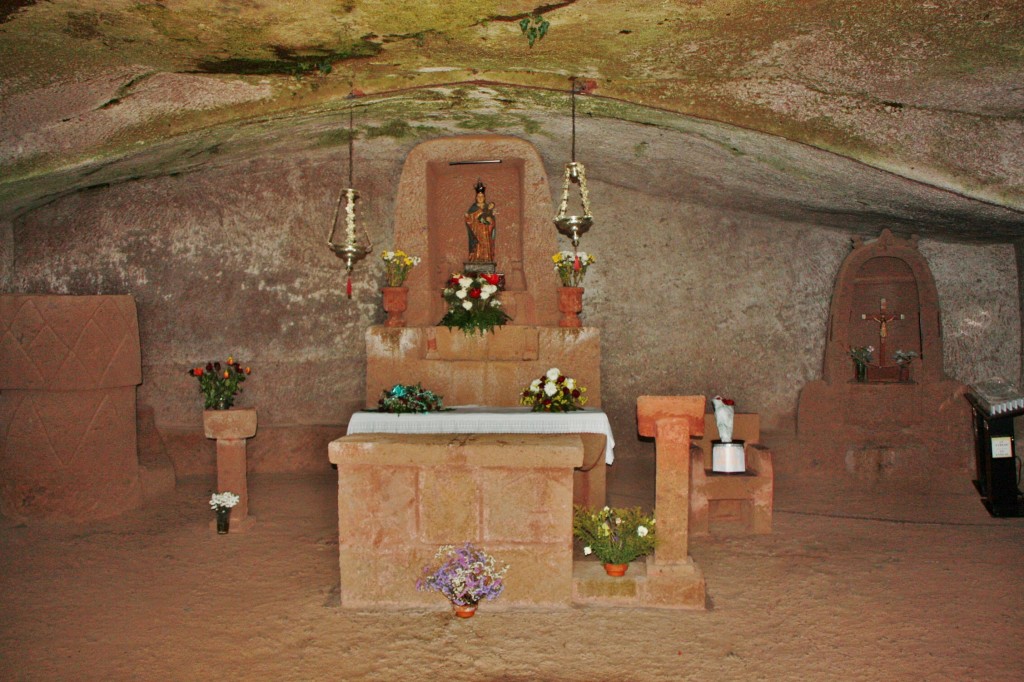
x=223, y=520
x=570, y=303
x=616, y=570
x=464, y=610
x=396, y=301
x=861, y=372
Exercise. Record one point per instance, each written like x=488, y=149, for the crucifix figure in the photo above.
x=883, y=317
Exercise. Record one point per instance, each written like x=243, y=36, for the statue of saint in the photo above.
x=481, y=226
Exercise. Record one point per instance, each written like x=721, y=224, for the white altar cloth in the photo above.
x=479, y=419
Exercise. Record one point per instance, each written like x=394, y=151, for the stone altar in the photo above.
x=887, y=428
x=401, y=496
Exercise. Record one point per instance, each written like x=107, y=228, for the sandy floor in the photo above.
x=851, y=586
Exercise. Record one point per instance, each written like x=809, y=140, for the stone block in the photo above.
x=676, y=586
x=488, y=370
x=68, y=370
x=467, y=383
x=377, y=505
x=376, y=577
x=50, y=342
x=479, y=449
x=527, y=505
x=450, y=506
x=591, y=584
x=233, y=424
x=68, y=455
x=539, y=575
x=652, y=409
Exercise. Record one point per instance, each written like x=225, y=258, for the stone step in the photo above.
x=646, y=584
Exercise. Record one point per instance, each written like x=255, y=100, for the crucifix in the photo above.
x=883, y=317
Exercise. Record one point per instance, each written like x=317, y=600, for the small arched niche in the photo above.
x=885, y=297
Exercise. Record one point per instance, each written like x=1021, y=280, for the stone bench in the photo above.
x=745, y=499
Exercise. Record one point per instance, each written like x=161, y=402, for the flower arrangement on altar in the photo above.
x=613, y=535
x=402, y=398
x=220, y=502
x=572, y=266
x=397, y=265
x=465, y=575
x=554, y=392
x=473, y=304
x=219, y=383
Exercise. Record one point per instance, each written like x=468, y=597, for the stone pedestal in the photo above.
x=231, y=428
x=400, y=497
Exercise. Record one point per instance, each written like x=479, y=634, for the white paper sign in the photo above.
x=1002, y=447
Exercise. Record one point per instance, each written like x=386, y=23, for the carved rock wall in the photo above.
x=689, y=299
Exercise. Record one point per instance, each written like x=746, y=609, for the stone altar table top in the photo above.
x=481, y=419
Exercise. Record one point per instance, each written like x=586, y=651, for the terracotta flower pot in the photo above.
x=570, y=303
x=464, y=611
x=396, y=300
x=616, y=570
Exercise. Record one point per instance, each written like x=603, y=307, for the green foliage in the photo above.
x=534, y=28
x=402, y=398
x=614, y=536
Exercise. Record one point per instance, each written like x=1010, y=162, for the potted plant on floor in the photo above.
x=465, y=575
x=615, y=536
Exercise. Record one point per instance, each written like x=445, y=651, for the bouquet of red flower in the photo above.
x=473, y=304
x=220, y=383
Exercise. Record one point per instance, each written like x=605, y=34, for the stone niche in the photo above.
x=434, y=193
x=906, y=424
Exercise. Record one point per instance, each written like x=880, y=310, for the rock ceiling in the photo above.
x=856, y=115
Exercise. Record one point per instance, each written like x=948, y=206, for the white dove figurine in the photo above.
x=723, y=417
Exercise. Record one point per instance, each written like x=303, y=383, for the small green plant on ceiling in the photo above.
x=534, y=27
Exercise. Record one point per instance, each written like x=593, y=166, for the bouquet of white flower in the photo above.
x=224, y=500
x=554, y=392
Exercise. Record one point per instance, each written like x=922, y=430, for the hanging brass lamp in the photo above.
x=356, y=244
x=574, y=226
